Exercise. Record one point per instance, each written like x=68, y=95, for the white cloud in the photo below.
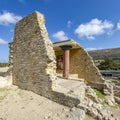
x=9, y=18
x=90, y=49
x=93, y=28
x=3, y=41
x=69, y=23
x=118, y=25
x=60, y=35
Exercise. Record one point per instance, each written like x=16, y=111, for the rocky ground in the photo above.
x=17, y=104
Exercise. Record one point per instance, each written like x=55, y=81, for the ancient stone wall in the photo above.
x=34, y=65
x=33, y=60
x=11, y=53
x=82, y=64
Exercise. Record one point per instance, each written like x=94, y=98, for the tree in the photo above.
x=107, y=64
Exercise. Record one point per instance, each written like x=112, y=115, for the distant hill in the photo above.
x=99, y=55
x=113, y=53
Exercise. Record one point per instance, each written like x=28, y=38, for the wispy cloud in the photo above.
x=7, y=18
x=118, y=25
x=69, y=23
x=3, y=41
x=60, y=35
x=93, y=28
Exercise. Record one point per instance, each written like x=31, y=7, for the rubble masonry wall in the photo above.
x=82, y=64
x=34, y=65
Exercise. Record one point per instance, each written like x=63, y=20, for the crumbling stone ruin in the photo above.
x=33, y=59
x=80, y=64
x=58, y=71
x=116, y=90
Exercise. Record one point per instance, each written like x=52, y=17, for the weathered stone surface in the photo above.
x=117, y=99
x=117, y=90
x=33, y=58
x=78, y=114
x=108, y=91
x=96, y=111
x=34, y=65
x=84, y=66
x=65, y=99
x=91, y=94
x=11, y=51
x=93, y=107
x=96, y=85
x=69, y=92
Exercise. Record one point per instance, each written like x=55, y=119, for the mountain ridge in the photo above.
x=113, y=53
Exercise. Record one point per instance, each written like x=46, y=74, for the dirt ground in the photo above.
x=17, y=104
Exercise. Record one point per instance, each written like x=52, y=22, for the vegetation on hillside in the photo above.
x=113, y=53
x=106, y=59
x=108, y=64
x=4, y=64
x=99, y=94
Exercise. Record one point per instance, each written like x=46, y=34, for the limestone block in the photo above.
x=91, y=94
x=116, y=91
x=117, y=99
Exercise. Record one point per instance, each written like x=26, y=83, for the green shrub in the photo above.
x=108, y=64
x=99, y=94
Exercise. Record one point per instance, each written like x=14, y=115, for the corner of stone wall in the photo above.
x=93, y=70
x=84, y=67
x=50, y=54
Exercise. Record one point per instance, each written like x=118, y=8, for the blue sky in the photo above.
x=95, y=24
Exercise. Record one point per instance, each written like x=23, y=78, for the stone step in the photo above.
x=71, y=76
x=74, y=90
